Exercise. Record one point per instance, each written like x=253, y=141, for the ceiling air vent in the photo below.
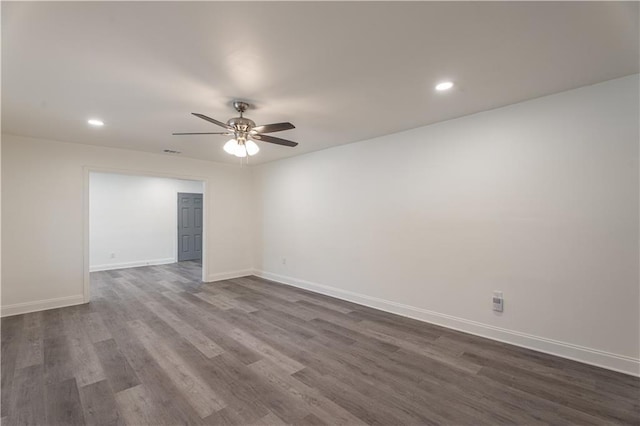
x=171, y=151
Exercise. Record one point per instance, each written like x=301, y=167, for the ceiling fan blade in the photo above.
x=277, y=141
x=206, y=133
x=212, y=120
x=275, y=127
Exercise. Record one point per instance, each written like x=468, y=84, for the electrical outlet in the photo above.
x=112, y=255
x=498, y=301
x=284, y=260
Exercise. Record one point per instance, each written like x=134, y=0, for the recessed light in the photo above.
x=95, y=122
x=445, y=85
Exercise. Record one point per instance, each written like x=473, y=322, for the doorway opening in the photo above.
x=143, y=230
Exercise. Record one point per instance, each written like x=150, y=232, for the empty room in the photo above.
x=320, y=213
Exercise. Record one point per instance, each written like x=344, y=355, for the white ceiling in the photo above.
x=341, y=72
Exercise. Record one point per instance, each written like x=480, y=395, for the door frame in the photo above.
x=86, y=172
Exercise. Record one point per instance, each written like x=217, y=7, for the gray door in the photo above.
x=189, y=226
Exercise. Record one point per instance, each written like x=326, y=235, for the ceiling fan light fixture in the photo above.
x=252, y=147
x=230, y=146
x=240, y=151
x=240, y=148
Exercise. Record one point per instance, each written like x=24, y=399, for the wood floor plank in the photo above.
x=201, y=397
x=138, y=408
x=312, y=420
x=395, y=326
x=11, y=341
x=355, y=333
x=225, y=417
x=242, y=395
x=95, y=328
x=63, y=406
x=27, y=402
x=270, y=420
x=326, y=304
x=285, y=322
x=170, y=286
x=322, y=312
x=222, y=295
x=86, y=365
x=213, y=300
x=157, y=346
x=162, y=394
x=372, y=375
x=300, y=351
x=280, y=403
x=555, y=383
x=508, y=403
x=205, y=345
x=209, y=325
x=117, y=369
x=31, y=350
x=621, y=412
x=53, y=323
x=313, y=400
x=99, y=405
x=260, y=288
x=58, y=363
x=287, y=364
x=353, y=401
x=501, y=359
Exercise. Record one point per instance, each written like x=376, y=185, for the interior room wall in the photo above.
x=43, y=195
x=133, y=219
x=0, y=222
x=538, y=200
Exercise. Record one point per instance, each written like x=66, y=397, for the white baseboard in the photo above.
x=123, y=265
x=229, y=275
x=615, y=362
x=41, y=305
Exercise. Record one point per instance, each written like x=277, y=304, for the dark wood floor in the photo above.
x=158, y=347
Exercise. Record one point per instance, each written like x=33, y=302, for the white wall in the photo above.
x=0, y=222
x=134, y=218
x=538, y=199
x=43, y=202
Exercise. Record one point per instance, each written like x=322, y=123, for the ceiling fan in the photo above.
x=245, y=132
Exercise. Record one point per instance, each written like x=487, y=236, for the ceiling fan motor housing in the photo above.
x=241, y=123
x=242, y=126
